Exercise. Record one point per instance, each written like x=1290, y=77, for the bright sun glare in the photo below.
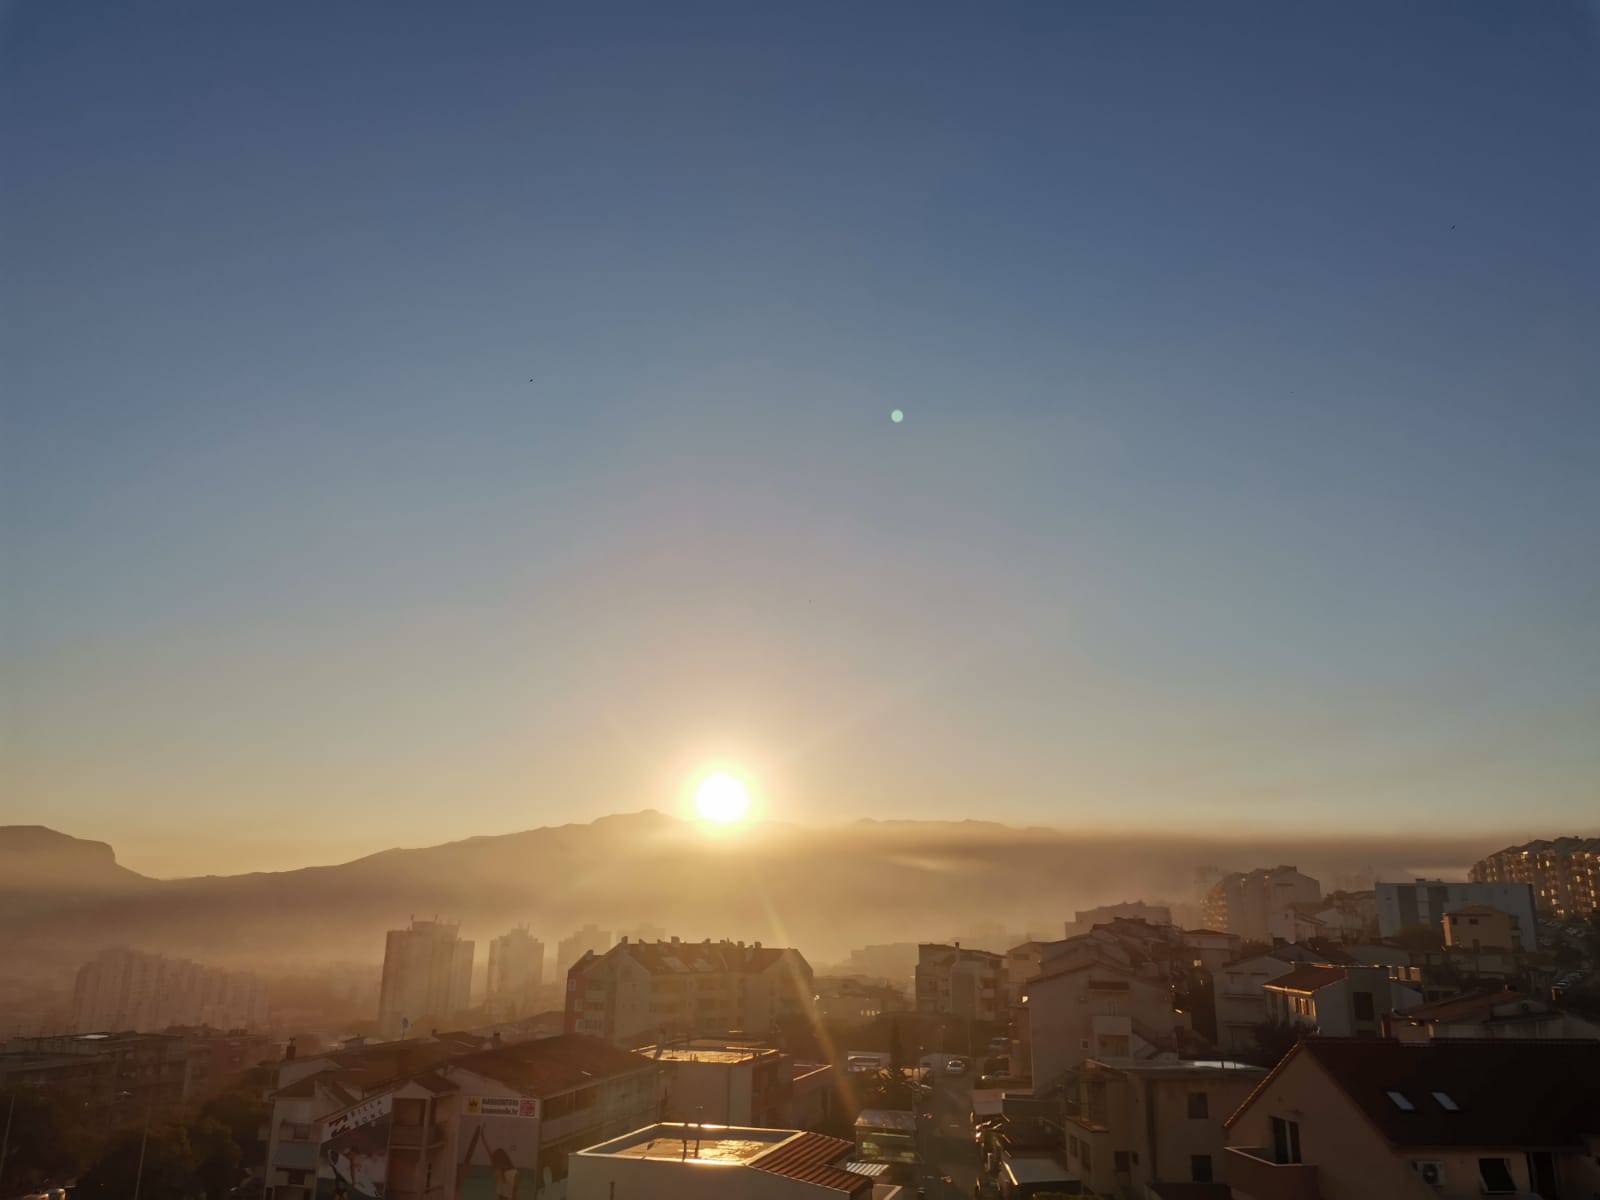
x=721, y=799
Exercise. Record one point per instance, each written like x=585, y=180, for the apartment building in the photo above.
x=516, y=969
x=425, y=1120
x=1564, y=874
x=1096, y=1009
x=1354, y=1119
x=115, y=1077
x=894, y=962
x=849, y=1000
x=1342, y=1001
x=591, y=939
x=1087, y=918
x=1132, y=1125
x=123, y=988
x=688, y=1162
x=1424, y=903
x=640, y=992
x=1245, y=902
x=960, y=982
x=427, y=977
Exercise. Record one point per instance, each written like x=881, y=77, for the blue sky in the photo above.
x=423, y=421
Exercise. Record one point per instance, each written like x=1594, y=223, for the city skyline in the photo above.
x=419, y=429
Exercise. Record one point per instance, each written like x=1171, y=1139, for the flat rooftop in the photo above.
x=732, y=1055
x=726, y=1145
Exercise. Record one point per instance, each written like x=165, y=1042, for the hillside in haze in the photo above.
x=823, y=889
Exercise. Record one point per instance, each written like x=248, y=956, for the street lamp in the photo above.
x=144, y=1141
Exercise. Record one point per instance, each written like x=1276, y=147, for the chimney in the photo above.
x=674, y=939
x=289, y=1051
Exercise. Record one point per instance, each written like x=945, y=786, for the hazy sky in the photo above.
x=427, y=420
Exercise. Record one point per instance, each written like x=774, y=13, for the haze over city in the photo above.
x=912, y=601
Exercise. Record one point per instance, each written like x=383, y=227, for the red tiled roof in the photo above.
x=1508, y=1093
x=1307, y=977
x=810, y=1158
x=1478, y=1004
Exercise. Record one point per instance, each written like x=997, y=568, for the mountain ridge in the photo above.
x=822, y=888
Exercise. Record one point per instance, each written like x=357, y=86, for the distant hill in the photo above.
x=34, y=859
x=823, y=889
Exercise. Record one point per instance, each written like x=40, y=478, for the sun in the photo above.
x=721, y=799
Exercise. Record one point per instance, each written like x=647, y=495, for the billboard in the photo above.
x=499, y=1148
x=353, y=1161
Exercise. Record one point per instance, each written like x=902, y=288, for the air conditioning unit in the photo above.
x=1431, y=1170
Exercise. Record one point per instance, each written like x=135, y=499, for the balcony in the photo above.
x=295, y=1156
x=1250, y=1171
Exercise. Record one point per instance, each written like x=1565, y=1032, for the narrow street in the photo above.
x=944, y=1137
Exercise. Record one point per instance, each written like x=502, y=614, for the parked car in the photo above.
x=955, y=1066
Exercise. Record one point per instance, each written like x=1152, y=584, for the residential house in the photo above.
x=1132, y=1124
x=1354, y=1119
x=1238, y=992
x=1329, y=1001
x=1489, y=1013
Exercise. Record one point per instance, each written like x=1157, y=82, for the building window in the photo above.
x=1200, y=1168
x=1363, y=1004
x=1285, y=1141
x=1496, y=1174
x=1119, y=1160
x=1199, y=1105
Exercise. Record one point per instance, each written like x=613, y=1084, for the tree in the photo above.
x=897, y=1045
x=244, y=1113
x=1274, y=1039
x=168, y=1167
x=216, y=1157
x=45, y=1143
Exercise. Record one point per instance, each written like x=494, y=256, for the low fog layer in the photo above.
x=824, y=890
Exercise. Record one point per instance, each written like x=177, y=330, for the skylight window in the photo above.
x=1446, y=1102
x=1402, y=1102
